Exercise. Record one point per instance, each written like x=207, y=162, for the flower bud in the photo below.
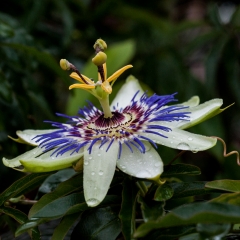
x=100, y=44
x=64, y=64
x=99, y=59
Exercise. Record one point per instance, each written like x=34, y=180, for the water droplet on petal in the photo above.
x=99, y=154
x=100, y=172
x=92, y=202
x=86, y=163
x=195, y=150
x=90, y=158
x=143, y=174
x=52, y=158
x=123, y=166
x=93, y=173
x=183, y=146
x=190, y=139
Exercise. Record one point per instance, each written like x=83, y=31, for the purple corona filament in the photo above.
x=145, y=115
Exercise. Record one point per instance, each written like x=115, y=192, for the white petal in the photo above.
x=12, y=163
x=192, y=102
x=28, y=135
x=182, y=140
x=98, y=170
x=126, y=93
x=37, y=161
x=197, y=114
x=141, y=165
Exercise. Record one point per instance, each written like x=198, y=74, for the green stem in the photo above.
x=106, y=108
x=142, y=187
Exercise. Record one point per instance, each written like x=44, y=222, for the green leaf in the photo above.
x=71, y=185
x=230, y=198
x=60, y=206
x=55, y=179
x=14, y=213
x=22, y=186
x=63, y=227
x=226, y=185
x=213, y=61
x=194, y=213
x=96, y=224
x=192, y=236
x=29, y=225
x=118, y=54
x=170, y=233
x=21, y=218
x=43, y=57
x=180, y=169
x=185, y=189
x=213, y=231
x=163, y=193
x=128, y=208
x=151, y=210
x=6, y=30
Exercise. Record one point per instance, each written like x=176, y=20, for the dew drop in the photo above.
x=99, y=154
x=173, y=137
x=101, y=148
x=86, y=163
x=143, y=174
x=92, y=202
x=100, y=172
x=190, y=139
x=183, y=146
x=195, y=150
x=90, y=158
x=123, y=166
x=52, y=158
x=93, y=173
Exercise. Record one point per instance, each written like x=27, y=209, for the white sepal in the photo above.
x=98, y=171
x=147, y=165
x=182, y=140
x=126, y=93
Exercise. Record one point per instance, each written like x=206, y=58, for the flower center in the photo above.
x=115, y=126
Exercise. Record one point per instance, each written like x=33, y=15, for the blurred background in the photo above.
x=185, y=46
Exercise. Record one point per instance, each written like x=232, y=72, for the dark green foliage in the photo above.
x=171, y=51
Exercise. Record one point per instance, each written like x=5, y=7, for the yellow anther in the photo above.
x=100, y=44
x=99, y=59
x=64, y=64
